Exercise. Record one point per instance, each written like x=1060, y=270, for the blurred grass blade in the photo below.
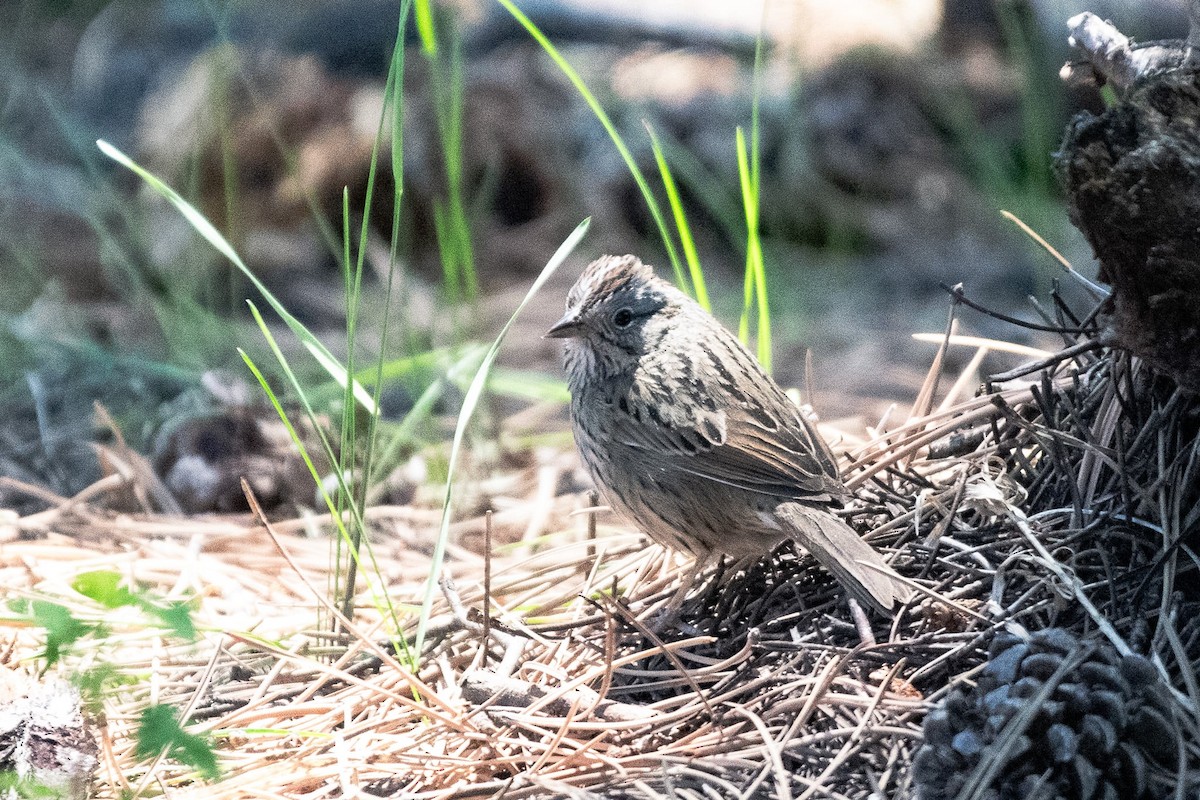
x=470, y=400
x=755, y=285
x=529, y=385
x=681, y=224
x=451, y=221
x=424, y=13
x=750, y=177
x=205, y=228
x=606, y=121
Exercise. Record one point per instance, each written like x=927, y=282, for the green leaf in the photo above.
x=105, y=588
x=61, y=626
x=425, y=28
x=94, y=682
x=177, y=617
x=159, y=732
x=681, y=223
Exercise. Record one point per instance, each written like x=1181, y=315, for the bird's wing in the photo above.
x=703, y=421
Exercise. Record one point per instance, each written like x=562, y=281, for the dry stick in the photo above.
x=1054, y=358
x=267, y=682
x=610, y=655
x=959, y=417
x=1187, y=674
x=965, y=378
x=713, y=666
x=555, y=742
x=1098, y=293
x=924, y=402
x=1070, y=582
x=959, y=296
x=657, y=717
x=892, y=766
x=824, y=682
x=43, y=519
x=667, y=677
x=330, y=672
x=487, y=585
x=583, y=748
x=115, y=771
x=911, y=445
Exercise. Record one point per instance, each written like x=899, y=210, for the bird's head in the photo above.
x=615, y=310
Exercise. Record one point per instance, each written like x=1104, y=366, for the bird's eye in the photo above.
x=622, y=318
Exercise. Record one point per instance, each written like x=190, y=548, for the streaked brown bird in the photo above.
x=686, y=435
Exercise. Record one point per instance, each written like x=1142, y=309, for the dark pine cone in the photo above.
x=1100, y=724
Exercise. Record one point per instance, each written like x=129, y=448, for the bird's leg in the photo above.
x=668, y=614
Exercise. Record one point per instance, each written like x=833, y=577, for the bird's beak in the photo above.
x=565, y=328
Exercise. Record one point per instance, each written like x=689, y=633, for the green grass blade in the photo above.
x=1038, y=97
x=528, y=385
x=681, y=224
x=290, y=376
x=755, y=239
x=349, y=408
x=755, y=97
x=379, y=597
x=470, y=400
x=210, y=234
x=747, y=212
x=755, y=283
x=600, y=114
x=451, y=220
x=425, y=29
x=750, y=175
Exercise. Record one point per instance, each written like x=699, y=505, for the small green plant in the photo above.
x=69, y=631
x=357, y=458
x=159, y=732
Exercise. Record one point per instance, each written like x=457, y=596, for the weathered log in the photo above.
x=1132, y=176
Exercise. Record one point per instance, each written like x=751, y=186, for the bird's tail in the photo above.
x=856, y=565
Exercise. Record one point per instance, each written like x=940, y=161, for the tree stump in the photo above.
x=1132, y=176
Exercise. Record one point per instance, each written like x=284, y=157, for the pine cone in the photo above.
x=1052, y=717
